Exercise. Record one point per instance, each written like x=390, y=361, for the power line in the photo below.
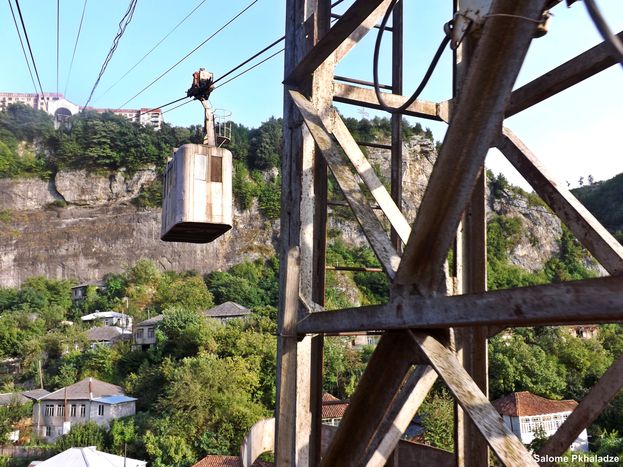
x=23, y=49
x=71, y=65
x=251, y=58
x=176, y=107
x=189, y=54
x=32, y=57
x=123, y=24
x=250, y=68
x=153, y=48
x=165, y=105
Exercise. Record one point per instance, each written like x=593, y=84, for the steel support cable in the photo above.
x=73, y=55
x=153, y=48
x=162, y=106
x=19, y=36
x=251, y=58
x=32, y=57
x=123, y=24
x=250, y=68
x=616, y=47
x=58, y=38
x=189, y=53
x=222, y=84
x=176, y=107
x=375, y=66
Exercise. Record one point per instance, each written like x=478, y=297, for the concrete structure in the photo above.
x=88, y=457
x=61, y=109
x=145, y=332
x=227, y=311
x=109, y=318
x=89, y=400
x=525, y=413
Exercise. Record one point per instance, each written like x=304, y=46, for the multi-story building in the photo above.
x=89, y=400
x=60, y=108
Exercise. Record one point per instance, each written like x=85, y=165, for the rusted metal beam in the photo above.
x=563, y=77
x=358, y=427
x=340, y=32
x=504, y=443
x=595, y=238
x=592, y=300
x=367, y=98
x=586, y=412
x=476, y=121
x=338, y=164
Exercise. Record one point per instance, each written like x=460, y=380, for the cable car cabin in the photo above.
x=197, y=204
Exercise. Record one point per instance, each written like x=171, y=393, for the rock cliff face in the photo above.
x=98, y=231
x=81, y=226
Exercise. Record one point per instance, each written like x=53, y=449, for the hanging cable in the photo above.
x=251, y=58
x=176, y=107
x=58, y=38
x=32, y=57
x=162, y=106
x=153, y=48
x=123, y=24
x=249, y=69
x=19, y=36
x=189, y=53
x=73, y=55
x=616, y=47
x=427, y=75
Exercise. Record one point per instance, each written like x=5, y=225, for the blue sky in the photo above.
x=576, y=133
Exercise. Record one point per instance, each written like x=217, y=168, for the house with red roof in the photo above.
x=228, y=461
x=332, y=409
x=525, y=413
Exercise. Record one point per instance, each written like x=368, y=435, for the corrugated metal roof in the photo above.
x=524, y=403
x=22, y=397
x=104, y=314
x=90, y=457
x=154, y=320
x=104, y=333
x=114, y=399
x=227, y=309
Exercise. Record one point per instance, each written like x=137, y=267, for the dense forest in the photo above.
x=205, y=383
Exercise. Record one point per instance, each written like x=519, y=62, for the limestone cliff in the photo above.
x=81, y=226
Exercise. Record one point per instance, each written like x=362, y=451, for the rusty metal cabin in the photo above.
x=197, y=201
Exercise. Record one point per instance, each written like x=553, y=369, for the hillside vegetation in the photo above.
x=204, y=384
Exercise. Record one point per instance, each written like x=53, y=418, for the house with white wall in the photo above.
x=525, y=413
x=89, y=400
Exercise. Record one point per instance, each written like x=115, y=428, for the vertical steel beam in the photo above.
x=299, y=364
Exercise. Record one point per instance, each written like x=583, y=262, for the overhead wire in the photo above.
x=615, y=44
x=226, y=74
x=176, y=107
x=32, y=78
x=268, y=47
x=375, y=66
x=32, y=57
x=189, y=53
x=73, y=55
x=123, y=24
x=250, y=68
x=154, y=47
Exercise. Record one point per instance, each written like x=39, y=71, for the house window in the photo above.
x=100, y=410
x=60, y=410
x=72, y=410
x=49, y=410
x=150, y=332
x=83, y=410
x=48, y=431
x=139, y=333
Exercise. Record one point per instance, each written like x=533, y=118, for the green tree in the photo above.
x=188, y=291
x=84, y=434
x=266, y=144
x=186, y=332
x=437, y=412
